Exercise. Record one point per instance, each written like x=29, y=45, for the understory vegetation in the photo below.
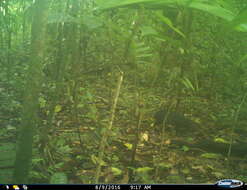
x=123, y=91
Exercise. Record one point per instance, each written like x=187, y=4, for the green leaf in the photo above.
x=60, y=18
x=165, y=165
x=185, y=148
x=187, y=83
x=239, y=19
x=221, y=140
x=115, y=158
x=89, y=96
x=174, y=178
x=42, y=102
x=116, y=171
x=58, y=165
x=242, y=59
x=58, y=108
x=241, y=28
x=218, y=174
x=118, y=3
x=80, y=105
x=91, y=22
x=96, y=161
x=211, y=155
x=143, y=49
x=185, y=171
x=59, y=178
x=212, y=9
x=65, y=149
x=144, y=55
x=168, y=22
x=148, y=31
x=161, y=4
x=128, y=145
x=143, y=170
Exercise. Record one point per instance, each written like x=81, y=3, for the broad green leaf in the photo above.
x=58, y=108
x=129, y=146
x=115, y=158
x=58, y=165
x=188, y=84
x=241, y=28
x=42, y=102
x=221, y=140
x=36, y=160
x=239, y=19
x=144, y=169
x=185, y=171
x=168, y=22
x=119, y=3
x=96, y=161
x=185, y=148
x=160, y=38
x=145, y=55
x=214, y=10
x=242, y=59
x=174, y=178
x=148, y=31
x=89, y=96
x=65, y=149
x=80, y=105
x=165, y=165
x=161, y=4
x=116, y=171
x=143, y=49
x=211, y=155
x=59, y=178
x=91, y=22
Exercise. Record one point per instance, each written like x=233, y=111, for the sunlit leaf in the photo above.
x=144, y=136
x=144, y=169
x=221, y=140
x=116, y=171
x=211, y=155
x=185, y=171
x=165, y=165
x=80, y=105
x=96, y=160
x=58, y=108
x=42, y=102
x=128, y=145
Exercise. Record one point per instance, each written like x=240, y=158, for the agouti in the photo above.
x=182, y=124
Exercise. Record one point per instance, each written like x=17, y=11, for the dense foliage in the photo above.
x=123, y=91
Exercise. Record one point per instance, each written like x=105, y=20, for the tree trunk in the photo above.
x=32, y=90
